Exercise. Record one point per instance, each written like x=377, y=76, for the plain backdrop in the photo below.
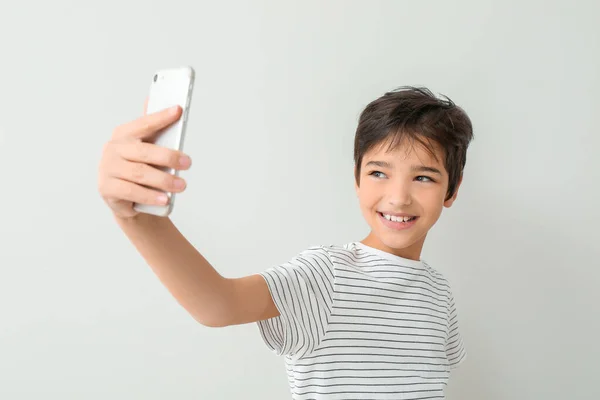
x=279, y=88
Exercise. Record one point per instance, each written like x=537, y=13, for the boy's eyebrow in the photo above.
x=424, y=168
x=414, y=168
x=382, y=164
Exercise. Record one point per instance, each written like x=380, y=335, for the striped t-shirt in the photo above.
x=359, y=323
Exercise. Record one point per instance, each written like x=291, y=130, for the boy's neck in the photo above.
x=412, y=252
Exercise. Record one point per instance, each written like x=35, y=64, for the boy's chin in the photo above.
x=395, y=243
x=394, y=240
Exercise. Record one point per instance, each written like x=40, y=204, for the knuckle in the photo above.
x=173, y=159
x=165, y=157
x=142, y=151
x=146, y=126
x=168, y=182
x=143, y=196
x=113, y=148
x=148, y=199
x=138, y=172
x=127, y=191
x=108, y=189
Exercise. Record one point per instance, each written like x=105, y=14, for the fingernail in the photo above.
x=173, y=110
x=185, y=161
x=162, y=198
x=179, y=184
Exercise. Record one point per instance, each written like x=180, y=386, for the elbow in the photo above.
x=213, y=321
x=218, y=310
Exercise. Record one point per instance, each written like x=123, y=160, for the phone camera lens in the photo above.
x=155, y=78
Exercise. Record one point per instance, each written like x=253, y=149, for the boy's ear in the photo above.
x=356, y=187
x=448, y=203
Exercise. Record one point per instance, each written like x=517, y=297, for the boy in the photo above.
x=365, y=319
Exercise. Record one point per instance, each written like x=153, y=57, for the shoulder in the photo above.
x=308, y=264
x=314, y=257
x=347, y=252
x=326, y=257
x=329, y=253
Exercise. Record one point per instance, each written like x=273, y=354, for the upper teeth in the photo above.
x=396, y=219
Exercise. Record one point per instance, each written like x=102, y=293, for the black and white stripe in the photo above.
x=360, y=323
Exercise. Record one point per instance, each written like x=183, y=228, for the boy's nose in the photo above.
x=400, y=197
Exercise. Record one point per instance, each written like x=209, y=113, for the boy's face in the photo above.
x=395, y=185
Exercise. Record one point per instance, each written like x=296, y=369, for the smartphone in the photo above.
x=169, y=87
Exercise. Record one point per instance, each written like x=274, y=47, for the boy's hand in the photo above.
x=127, y=172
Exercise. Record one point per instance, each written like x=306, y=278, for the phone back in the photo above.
x=168, y=88
x=171, y=87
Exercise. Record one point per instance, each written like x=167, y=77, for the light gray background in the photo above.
x=279, y=89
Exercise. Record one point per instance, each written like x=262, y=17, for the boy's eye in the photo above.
x=377, y=174
x=423, y=178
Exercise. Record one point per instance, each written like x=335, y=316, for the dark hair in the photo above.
x=416, y=114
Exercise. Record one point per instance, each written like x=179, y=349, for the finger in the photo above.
x=148, y=125
x=148, y=176
x=118, y=189
x=149, y=153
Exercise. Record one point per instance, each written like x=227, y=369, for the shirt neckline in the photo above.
x=389, y=256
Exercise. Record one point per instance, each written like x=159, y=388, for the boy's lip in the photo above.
x=397, y=214
x=398, y=226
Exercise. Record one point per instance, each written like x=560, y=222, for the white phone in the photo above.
x=169, y=87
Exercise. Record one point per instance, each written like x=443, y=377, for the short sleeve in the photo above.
x=455, y=349
x=302, y=291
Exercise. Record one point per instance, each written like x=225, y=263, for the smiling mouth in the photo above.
x=398, y=218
